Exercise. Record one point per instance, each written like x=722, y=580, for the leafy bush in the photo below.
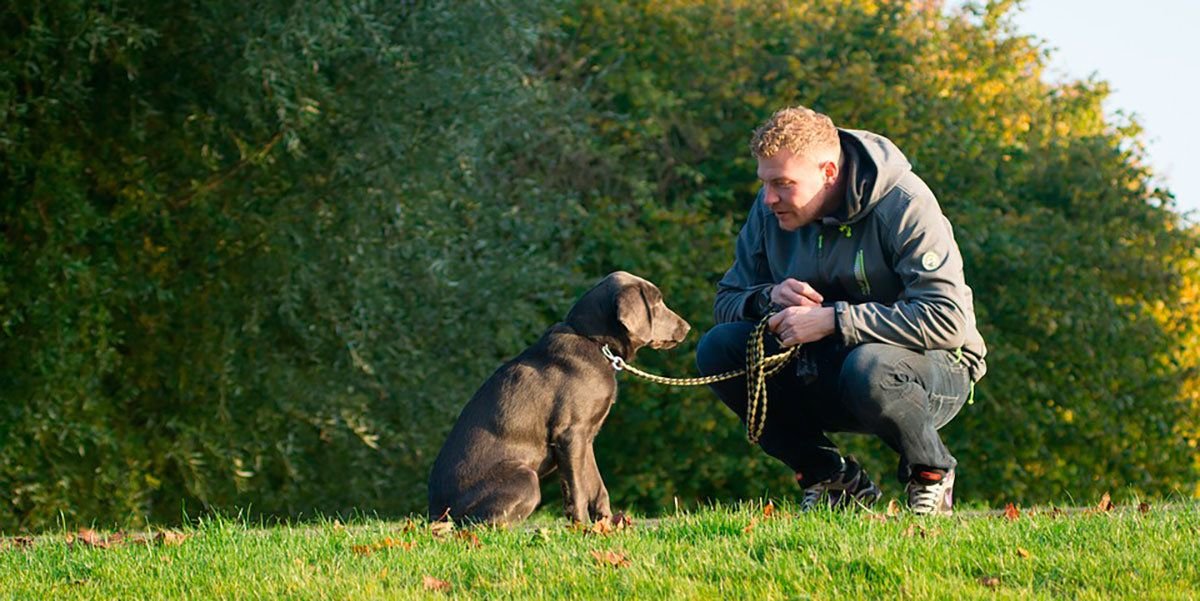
x=260, y=256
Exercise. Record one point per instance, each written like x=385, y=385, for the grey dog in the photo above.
x=543, y=409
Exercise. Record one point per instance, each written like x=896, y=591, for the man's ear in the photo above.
x=829, y=169
x=633, y=311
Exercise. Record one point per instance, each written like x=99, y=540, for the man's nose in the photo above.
x=769, y=196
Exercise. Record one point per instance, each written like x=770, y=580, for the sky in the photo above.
x=1149, y=52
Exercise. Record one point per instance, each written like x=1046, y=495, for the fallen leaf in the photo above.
x=601, y=526
x=22, y=542
x=769, y=509
x=989, y=581
x=90, y=538
x=137, y=539
x=1105, y=503
x=440, y=529
x=611, y=558
x=914, y=530
x=751, y=525
x=893, y=509
x=1011, y=512
x=470, y=537
x=170, y=538
x=1143, y=507
x=435, y=584
x=386, y=543
x=621, y=520
x=875, y=517
x=1024, y=554
x=409, y=526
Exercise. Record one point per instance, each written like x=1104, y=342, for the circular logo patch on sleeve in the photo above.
x=930, y=261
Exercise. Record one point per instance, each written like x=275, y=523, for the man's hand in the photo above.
x=794, y=293
x=797, y=325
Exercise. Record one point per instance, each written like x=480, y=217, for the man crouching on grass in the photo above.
x=850, y=248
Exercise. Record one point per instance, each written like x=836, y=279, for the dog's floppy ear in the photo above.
x=634, y=313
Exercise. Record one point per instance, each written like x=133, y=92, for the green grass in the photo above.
x=709, y=554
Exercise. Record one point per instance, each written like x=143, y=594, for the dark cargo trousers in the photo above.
x=902, y=396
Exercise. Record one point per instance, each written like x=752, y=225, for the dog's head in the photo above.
x=629, y=309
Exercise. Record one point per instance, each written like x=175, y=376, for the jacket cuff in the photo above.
x=844, y=323
x=751, y=311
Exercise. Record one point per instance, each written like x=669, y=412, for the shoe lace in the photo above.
x=925, y=496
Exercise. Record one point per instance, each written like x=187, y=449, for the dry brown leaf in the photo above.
x=769, y=509
x=621, y=520
x=90, y=538
x=893, y=508
x=435, y=584
x=989, y=581
x=1024, y=554
x=611, y=558
x=601, y=526
x=440, y=529
x=22, y=542
x=751, y=525
x=914, y=530
x=386, y=543
x=137, y=538
x=1011, y=512
x=875, y=517
x=1105, y=503
x=409, y=526
x=472, y=540
x=170, y=538
x=1143, y=507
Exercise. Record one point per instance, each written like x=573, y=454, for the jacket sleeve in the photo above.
x=749, y=273
x=929, y=314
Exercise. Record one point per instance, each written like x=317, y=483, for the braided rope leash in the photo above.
x=759, y=367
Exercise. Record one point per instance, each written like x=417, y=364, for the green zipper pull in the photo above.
x=845, y=229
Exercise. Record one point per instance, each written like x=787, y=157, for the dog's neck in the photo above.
x=623, y=348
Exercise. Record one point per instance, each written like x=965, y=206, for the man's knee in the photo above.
x=723, y=348
x=871, y=370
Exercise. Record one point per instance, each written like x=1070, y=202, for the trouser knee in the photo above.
x=723, y=348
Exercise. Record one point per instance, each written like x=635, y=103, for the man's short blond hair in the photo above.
x=802, y=130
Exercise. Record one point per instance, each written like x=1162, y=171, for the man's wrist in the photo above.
x=761, y=301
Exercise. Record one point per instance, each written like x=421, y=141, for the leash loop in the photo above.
x=759, y=367
x=618, y=363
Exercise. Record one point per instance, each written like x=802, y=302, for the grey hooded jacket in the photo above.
x=886, y=259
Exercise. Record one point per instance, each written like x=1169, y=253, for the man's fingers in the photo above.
x=800, y=291
x=810, y=293
x=774, y=321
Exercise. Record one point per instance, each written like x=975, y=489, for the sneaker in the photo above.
x=931, y=492
x=848, y=487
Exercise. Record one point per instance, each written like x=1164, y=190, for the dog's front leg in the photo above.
x=571, y=452
x=598, y=506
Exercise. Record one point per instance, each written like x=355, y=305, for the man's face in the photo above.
x=794, y=187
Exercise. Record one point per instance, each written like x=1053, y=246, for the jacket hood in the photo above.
x=874, y=165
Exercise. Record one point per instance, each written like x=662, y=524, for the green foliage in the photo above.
x=261, y=255
x=1067, y=246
